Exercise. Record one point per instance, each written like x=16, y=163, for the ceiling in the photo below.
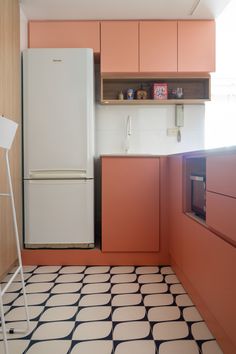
x=122, y=9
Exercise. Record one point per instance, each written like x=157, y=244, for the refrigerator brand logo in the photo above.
x=56, y=60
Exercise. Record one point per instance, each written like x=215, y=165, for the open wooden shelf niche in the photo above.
x=196, y=89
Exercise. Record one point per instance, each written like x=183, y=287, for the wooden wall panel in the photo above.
x=10, y=107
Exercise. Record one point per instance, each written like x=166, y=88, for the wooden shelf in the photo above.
x=153, y=102
x=196, y=90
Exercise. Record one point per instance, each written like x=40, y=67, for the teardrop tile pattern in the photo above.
x=105, y=310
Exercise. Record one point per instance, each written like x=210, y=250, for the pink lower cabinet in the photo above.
x=221, y=215
x=130, y=204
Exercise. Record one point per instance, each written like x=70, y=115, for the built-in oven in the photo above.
x=198, y=195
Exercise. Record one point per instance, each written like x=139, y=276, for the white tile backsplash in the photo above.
x=149, y=126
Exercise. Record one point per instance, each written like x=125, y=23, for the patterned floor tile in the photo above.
x=131, y=330
x=96, y=288
x=26, y=269
x=69, y=278
x=93, y=330
x=183, y=300
x=200, y=331
x=47, y=269
x=32, y=299
x=211, y=347
x=72, y=269
x=164, y=313
x=42, y=278
x=53, y=330
x=54, y=346
x=137, y=347
x=150, y=278
x=171, y=279
x=167, y=270
x=122, y=270
x=147, y=270
x=126, y=288
x=97, y=270
x=21, y=325
x=14, y=287
x=191, y=314
x=96, y=278
x=60, y=313
x=177, y=289
x=63, y=300
x=129, y=313
x=126, y=300
x=17, y=278
x=18, y=313
x=170, y=330
x=158, y=300
x=66, y=288
x=97, y=313
x=123, y=278
x=98, y=347
x=15, y=347
x=95, y=300
x=8, y=298
x=154, y=288
x=38, y=287
x=179, y=347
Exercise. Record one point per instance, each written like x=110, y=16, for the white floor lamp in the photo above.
x=7, y=133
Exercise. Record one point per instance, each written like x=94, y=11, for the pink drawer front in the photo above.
x=221, y=215
x=221, y=174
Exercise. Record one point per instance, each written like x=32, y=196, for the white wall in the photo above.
x=149, y=129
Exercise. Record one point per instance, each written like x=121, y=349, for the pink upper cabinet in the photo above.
x=119, y=46
x=65, y=34
x=196, y=46
x=158, y=46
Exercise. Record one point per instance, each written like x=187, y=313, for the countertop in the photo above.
x=220, y=150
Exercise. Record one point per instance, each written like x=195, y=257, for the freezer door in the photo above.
x=59, y=213
x=58, y=107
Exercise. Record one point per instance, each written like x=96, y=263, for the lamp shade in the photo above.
x=7, y=132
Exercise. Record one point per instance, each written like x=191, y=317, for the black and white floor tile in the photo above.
x=105, y=310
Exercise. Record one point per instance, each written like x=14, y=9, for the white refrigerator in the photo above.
x=58, y=145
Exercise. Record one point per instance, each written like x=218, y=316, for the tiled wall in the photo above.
x=148, y=129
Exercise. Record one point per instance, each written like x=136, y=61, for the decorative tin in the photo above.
x=160, y=91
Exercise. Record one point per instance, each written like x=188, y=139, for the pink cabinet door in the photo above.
x=119, y=46
x=130, y=204
x=220, y=215
x=158, y=46
x=65, y=34
x=221, y=174
x=196, y=46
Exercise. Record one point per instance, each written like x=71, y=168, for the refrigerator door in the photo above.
x=58, y=93
x=59, y=213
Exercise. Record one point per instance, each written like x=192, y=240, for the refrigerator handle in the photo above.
x=56, y=174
